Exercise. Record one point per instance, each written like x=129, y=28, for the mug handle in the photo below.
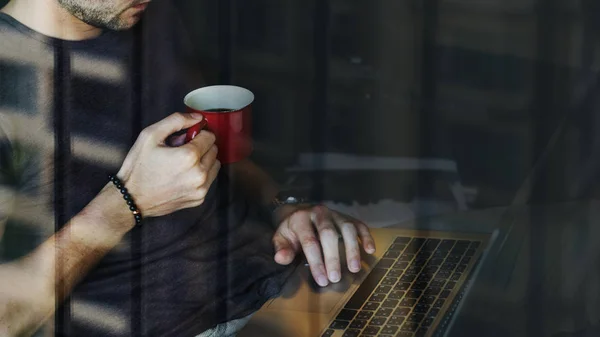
x=193, y=131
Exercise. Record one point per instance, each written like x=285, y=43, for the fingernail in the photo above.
x=334, y=276
x=196, y=115
x=371, y=248
x=355, y=265
x=322, y=280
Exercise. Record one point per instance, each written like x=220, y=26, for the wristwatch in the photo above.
x=284, y=198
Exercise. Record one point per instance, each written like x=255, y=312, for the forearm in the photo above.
x=31, y=287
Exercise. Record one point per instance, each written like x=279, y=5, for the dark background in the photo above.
x=484, y=85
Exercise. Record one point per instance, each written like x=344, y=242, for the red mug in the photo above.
x=227, y=112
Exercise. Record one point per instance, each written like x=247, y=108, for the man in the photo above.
x=73, y=90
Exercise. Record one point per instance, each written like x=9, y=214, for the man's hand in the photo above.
x=315, y=230
x=163, y=179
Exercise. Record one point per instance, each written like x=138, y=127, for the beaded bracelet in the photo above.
x=132, y=207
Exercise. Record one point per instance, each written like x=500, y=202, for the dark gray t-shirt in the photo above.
x=69, y=111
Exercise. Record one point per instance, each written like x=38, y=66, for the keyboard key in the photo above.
x=383, y=289
x=419, y=286
x=402, y=286
x=358, y=324
x=385, y=263
x=413, y=294
x=391, y=254
x=395, y=273
x=365, y=289
x=396, y=320
x=400, y=265
x=455, y=276
x=372, y=306
x=461, y=268
x=446, y=245
x=448, y=266
x=384, y=312
x=433, y=313
x=453, y=259
x=339, y=325
x=397, y=247
x=470, y=252
x=396, y=294
x=443, y=275
x=389, y=329
x=408, y=302
x=389, y=281
x=475, y=244
x=437, y=283
x=378, y=321
x=328, y=333
x=410, y=327
x=390, y=303
x=415, y=318
x=415, y=245
x=430, y=270
x=402, y=240
x=346, y=315
x=364, y=315
x=424, y=255
x=425, y=277
x=432, y=244
x=402, y=312
x=450, y=285
x=404, y=334
x=351, y=333
x=413, y=269
x=436, y=262
x=445, y=294
x=427, y=299
x=406, y=257
x=377, y=298
x=433, y=291
x=371, y=330
x=408, y=278
x=427, y=322
x=421, y=308
x=465, y=260
x=438, y=304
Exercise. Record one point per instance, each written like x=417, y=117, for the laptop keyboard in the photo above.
x=403, y=294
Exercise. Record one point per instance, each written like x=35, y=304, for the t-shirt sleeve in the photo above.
x=25, y=219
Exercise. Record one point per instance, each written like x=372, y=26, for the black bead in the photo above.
x=123, y=190
x=130, y=202
x=119, y=185
x=138, y=217
x=138, y=221
x=132, y=208
x=126, y=197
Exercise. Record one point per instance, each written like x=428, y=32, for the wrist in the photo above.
x=108, y=211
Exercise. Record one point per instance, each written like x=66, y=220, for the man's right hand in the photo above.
x=164, y=179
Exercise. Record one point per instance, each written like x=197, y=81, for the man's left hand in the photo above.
x=315, y=230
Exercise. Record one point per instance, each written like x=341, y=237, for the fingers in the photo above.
x=350, y=236
x=172, y=124
x=285, y=250
x=329, y=237
x=202, y=143
x=301, y=224
x=366, y=237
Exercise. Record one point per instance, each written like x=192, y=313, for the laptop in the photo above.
x=406, y=289
x=414, y=286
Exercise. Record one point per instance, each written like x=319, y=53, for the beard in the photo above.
x=101, y=14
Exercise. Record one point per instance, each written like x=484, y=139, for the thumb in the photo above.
x=175, y=123
x=284, y=250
